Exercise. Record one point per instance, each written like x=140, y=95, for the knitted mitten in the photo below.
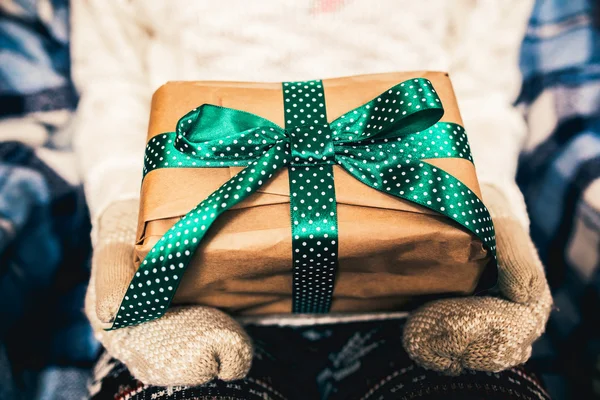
x=187, y=346
x=487, y=333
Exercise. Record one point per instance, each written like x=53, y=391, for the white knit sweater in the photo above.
x=124, y=49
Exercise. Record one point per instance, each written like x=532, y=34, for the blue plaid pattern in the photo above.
x=559, y=174
x=47, y=346
x=34, y=57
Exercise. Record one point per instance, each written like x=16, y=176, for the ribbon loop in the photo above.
x=410, y=106
x=212, y=136
x=209, y=122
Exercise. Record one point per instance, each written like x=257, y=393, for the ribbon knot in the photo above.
x=385, y=143
x=312, y=145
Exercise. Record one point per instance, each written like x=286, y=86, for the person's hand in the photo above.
x=487, y=333
x=188, y=346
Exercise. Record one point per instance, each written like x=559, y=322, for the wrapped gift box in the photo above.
x=392, y=253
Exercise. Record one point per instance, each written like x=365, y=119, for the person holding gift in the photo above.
x=122, y=51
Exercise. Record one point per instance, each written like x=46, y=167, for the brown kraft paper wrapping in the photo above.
x=391, y=252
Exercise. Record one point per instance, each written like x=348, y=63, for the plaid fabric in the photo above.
x=47, y=347
x=34, y=57
x=559, y=174
x=46, y=343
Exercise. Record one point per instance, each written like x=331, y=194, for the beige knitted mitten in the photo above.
x=487, y=333
x=187, y=346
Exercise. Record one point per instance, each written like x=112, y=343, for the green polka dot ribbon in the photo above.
x=382, y=143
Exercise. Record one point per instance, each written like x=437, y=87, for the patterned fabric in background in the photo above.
x=342, y=361
x=46, y=344
x=559, y=174
x=34, y=57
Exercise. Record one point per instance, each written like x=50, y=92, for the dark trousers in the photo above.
x=344, y=361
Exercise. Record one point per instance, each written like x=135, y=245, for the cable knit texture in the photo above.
x=188, y=346
x=123, y=50
x=487, y=333
x=522, y=277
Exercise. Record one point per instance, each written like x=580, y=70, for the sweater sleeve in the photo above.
x=485, y=72
x=108, y=62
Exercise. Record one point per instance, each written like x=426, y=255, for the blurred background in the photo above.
x=47, y=349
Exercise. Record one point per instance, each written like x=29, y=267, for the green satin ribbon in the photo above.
x=382, y=143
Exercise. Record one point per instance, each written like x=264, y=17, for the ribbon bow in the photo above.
x=382, y=143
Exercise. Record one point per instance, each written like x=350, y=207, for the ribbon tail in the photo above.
x=426, y=185
x=154, y=284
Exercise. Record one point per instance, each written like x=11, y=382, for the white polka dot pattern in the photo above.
x=312, y=197
x=202, y=141
x=384, y=143
x=154, y=284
